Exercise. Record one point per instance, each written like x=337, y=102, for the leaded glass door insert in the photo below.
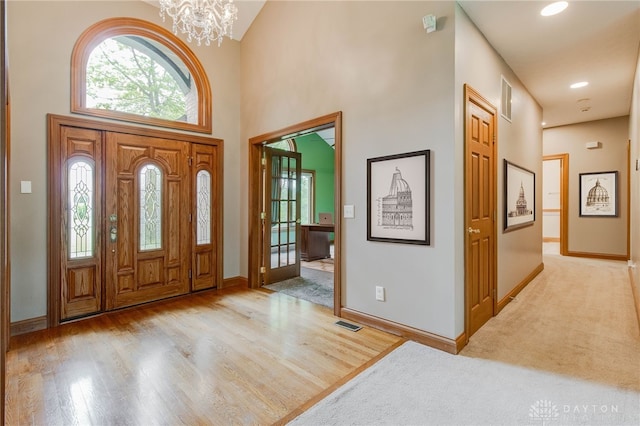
x=150, y=214
x=81, y=229
x=282, y=176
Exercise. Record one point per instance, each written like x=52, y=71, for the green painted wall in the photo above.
x=319, y=156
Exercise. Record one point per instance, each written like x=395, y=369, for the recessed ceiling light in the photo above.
x=579, y=84
x=554, y=8
x=544, y=123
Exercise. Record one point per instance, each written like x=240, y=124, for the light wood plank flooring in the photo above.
x=233, y=356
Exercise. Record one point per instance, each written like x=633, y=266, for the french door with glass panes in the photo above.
x=138, y=219
x=281, y=211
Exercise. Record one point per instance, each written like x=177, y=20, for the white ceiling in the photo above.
x=596, y=41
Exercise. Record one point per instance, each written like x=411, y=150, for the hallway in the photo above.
x=576, y=318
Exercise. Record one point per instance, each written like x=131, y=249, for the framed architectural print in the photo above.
x=398, y=198
x=519, y=196
x=598, y=194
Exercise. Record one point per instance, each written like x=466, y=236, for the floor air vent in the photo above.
x=348, y=326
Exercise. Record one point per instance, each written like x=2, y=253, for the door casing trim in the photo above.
x=564, y=199
x=255, y=183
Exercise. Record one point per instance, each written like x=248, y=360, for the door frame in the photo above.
x=564, y=199
x=5, y=279
x=255, y=193
x=472, y=96
x=54, y=124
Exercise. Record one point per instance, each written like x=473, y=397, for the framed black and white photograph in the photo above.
x=519, y=196
x=398, y=198
x=598, y=194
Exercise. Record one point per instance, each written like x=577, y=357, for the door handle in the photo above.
x=473, y=231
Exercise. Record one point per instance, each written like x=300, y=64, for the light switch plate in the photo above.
x=25, y=187
x=349, y=212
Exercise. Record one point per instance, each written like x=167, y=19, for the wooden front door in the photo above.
x=480, y=210
x=147, y=212
x=134, y=216
x=282, y=215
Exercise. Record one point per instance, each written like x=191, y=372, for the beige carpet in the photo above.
x=577, y=318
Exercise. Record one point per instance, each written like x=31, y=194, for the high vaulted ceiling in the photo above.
x=594, y=41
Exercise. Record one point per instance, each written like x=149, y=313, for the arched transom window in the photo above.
x=132, y=70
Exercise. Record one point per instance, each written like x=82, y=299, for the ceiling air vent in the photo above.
x=505, y=104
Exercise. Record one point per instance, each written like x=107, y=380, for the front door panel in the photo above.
x=147, y=219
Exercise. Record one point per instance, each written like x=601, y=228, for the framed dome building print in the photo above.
x=398, y=198
x=519, y=196
x=598, y=194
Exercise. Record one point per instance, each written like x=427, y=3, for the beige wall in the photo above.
x=400, y=90
x=41, y=38
x=519, y=141
x=599, y=235
x=394, y=84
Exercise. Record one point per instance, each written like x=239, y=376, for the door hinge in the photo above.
x=263, y=161
x=190, y=274
x=263, y=215
x=263, y=270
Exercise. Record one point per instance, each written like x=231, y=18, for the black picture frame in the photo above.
x=519, y=197
x=398, y=205
x=599, y=194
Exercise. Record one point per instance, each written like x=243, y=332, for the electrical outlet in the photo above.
x=380, y=293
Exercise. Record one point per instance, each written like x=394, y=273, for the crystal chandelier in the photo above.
x=201, y=20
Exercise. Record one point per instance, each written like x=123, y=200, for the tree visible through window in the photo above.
x=132, y=70
x=122, y=77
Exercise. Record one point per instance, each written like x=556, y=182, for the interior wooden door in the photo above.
x=204, y=238
x=480, y=210
x=281, y=233
x=147, y=219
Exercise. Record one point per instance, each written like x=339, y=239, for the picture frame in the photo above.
x=398, y=198
x=519, y=197
x=599, y=194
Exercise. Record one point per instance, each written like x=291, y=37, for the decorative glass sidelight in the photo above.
x=81, y=209
x=150, y=208
x=203, y=207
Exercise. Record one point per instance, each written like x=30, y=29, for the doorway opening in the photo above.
x=555, y=183
x=294, y=205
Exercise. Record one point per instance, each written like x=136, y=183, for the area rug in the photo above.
x=418, y=385
x=312, y=285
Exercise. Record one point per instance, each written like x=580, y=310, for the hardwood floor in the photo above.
x=234, y=356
